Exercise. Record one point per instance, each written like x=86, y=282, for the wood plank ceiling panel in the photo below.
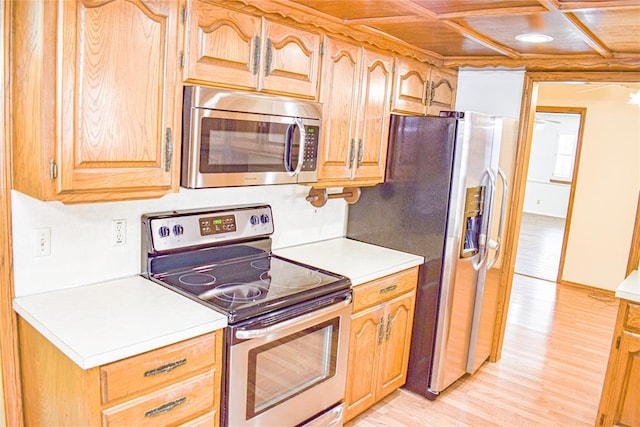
x=358, y=9
x=504, y=29
x=433, y=36
x=618, y=29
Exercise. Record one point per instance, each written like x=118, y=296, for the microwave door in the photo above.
x=246, y=149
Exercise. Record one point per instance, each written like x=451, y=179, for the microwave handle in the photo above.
x=289, y=146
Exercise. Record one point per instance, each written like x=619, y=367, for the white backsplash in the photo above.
x=81, y=249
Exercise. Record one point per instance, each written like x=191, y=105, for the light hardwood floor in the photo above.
x=551, y=372
x=539, y=246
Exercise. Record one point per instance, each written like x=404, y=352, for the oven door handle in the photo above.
x=245, y=334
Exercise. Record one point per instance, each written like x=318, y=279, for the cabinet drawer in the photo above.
x=207, y=420
x=135, y=374
x=384, y=289
x=632, y=319
x=169, y=405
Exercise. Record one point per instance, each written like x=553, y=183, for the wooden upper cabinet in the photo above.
x=420, y=89
x=291, y=61
x=223, y=47
x=339, y=94
x=373, y=120
x=410, y=87
x=356, y=90
x=442, y=91
x=107, y=71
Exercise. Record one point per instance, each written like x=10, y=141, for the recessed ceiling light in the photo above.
x=534, y=38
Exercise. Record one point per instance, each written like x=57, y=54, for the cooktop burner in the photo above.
x=222, y=258
x=245, y=287
x=197, y=279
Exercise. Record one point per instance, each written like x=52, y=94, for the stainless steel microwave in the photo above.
x=235, y=138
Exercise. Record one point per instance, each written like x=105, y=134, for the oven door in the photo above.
x=234, y=148
x=286, y=373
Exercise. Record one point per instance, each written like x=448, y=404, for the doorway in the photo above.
x=536, y=82
x=553, y=164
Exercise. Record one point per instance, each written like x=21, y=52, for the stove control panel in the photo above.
x=182, y=229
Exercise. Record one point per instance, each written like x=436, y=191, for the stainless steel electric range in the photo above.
x=286, y=345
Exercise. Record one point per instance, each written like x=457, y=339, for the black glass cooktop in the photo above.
x=247, y=286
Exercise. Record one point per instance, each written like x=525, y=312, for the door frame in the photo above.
x=582, y=112
x=9, y=360
x=532, y=80
x=634, y=254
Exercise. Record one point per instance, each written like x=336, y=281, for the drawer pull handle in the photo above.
x=165, y=408
x=165, y=368
x=388, y=289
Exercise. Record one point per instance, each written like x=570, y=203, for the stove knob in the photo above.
x=254, y=220
x=164, y=231
x=264, y=218
x=178, y=229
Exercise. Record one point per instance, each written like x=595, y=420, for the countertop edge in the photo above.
x=92, y=361
x=629, y=289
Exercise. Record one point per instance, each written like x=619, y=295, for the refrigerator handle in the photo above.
x=498, y=242
x=483, y=238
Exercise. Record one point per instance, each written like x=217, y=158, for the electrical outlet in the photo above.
x=42, y=241
x=118, y=232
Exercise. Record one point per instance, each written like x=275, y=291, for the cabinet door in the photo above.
x=367, y=334
x=222, y=46
x=394, y=353
x=410, y=87
x=118, y=96
x=627, y=392
x=442, y=91
x=291, y=61
x=374, y=116
x=620, y=397
x=339, y=94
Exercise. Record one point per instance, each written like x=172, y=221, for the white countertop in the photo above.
x=360, y=262
x=104, y=322
x=629, y=289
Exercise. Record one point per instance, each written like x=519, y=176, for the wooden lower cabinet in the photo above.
x=620, y=400
x=381, y=326
x=175, y=385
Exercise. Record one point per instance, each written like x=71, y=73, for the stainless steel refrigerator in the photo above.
x=439, y=201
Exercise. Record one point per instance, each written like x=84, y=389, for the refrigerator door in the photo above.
x=486, y=302
x=465, y=253
x=408, y=212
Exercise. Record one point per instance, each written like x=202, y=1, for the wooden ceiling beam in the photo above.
x=481, y=39
x=383, y=20
x=586, y=34
x=579, y=6
x=630, y=63
x=517, y=10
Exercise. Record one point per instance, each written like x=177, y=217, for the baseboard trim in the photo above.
x=588, y=287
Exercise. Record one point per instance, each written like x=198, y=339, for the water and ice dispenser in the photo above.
x=472, y=224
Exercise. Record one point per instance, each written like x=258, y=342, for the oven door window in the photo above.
x=281, y=369
x=237, y=146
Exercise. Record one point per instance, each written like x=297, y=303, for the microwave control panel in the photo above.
x=311, y=148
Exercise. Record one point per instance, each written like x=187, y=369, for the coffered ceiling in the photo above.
x=587, y=34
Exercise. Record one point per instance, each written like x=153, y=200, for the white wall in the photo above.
x=81, y=250
x=607, y=184
x=542, y=196
x=495, y=92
